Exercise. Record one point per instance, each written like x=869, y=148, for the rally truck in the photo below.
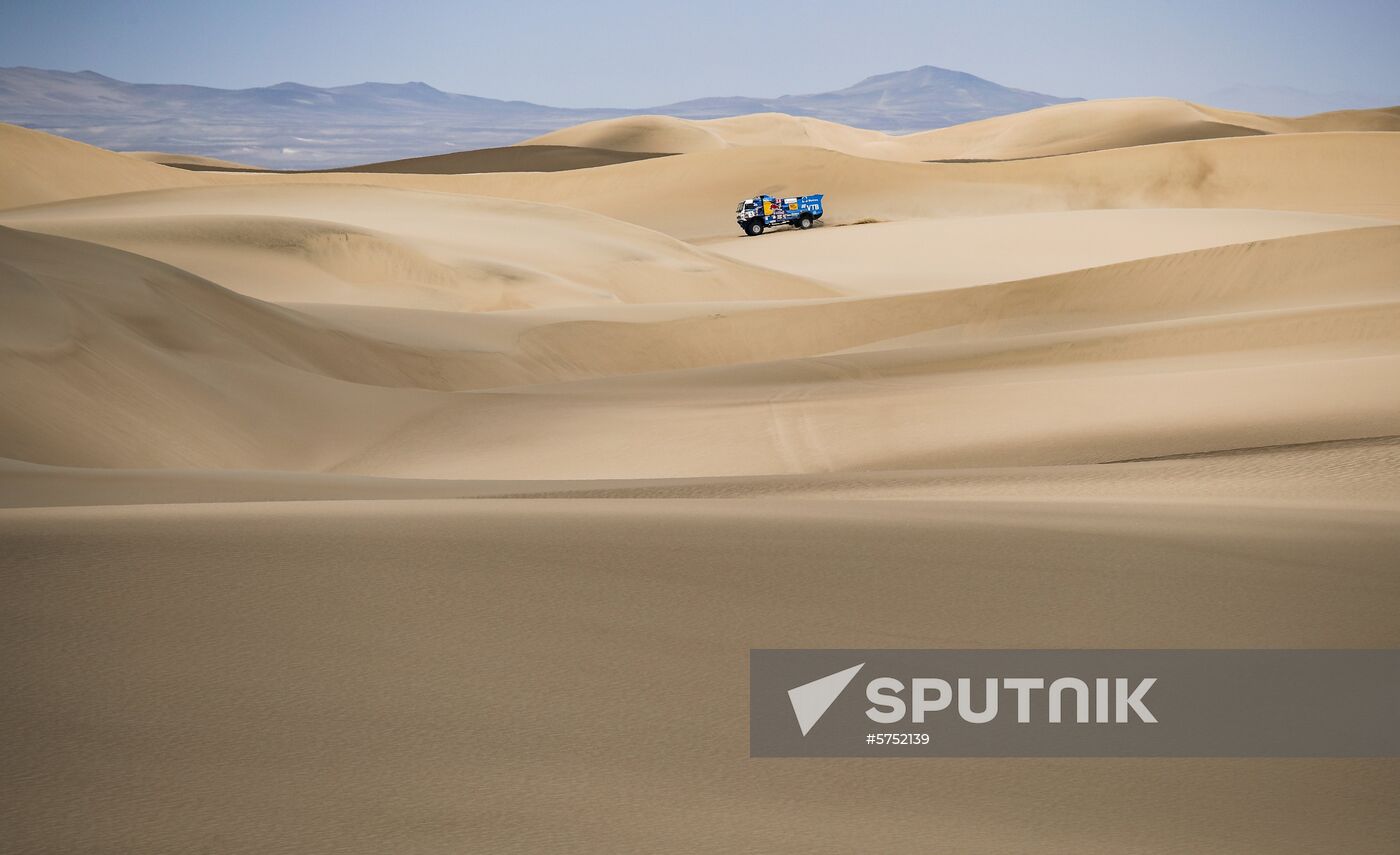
x=764, y=212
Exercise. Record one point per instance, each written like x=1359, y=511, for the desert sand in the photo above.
x=401, y=511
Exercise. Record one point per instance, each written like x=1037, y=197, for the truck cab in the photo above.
x=763, y=212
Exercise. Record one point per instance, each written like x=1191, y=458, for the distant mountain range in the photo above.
x=294, y=126
x=919, y=99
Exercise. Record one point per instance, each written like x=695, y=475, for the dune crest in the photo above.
x=196, y=161
x=40, y=167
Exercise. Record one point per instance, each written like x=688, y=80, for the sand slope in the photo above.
x=1332, y=473
x=927, y=254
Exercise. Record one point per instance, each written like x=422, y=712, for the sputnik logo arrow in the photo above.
x=810, y=701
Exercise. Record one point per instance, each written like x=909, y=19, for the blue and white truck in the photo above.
x=763, y=212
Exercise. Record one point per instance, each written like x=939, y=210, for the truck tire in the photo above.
x=754, y=228
x=804, y=221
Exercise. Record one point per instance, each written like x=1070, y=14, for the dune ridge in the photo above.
x=1072, y=128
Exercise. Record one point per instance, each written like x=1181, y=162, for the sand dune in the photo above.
x=1097, y=125
x=1058, y=129
x=670, y=134
x=314, y=485
x=693, y=196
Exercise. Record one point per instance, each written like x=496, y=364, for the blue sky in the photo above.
x=624, y=53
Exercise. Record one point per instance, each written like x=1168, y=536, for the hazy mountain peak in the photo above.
x=924, y=75
x=931, y=78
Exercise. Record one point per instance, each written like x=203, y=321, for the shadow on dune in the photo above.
x=523, y=158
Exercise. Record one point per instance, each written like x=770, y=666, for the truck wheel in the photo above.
x=804, y=221
x=754, y=228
